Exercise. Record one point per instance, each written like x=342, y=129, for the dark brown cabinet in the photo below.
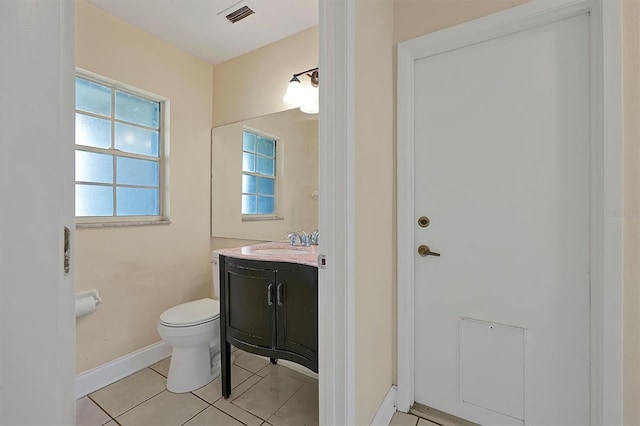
x=270, y=309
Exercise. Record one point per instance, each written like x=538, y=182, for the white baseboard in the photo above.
x=387, y=409
x=293, y=366
x=99, y=377
x=297, y=367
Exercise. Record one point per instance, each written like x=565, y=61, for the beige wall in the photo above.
x=253, y=84
x=413, y=18
x=374, y=207
x=141, y=271
x=631, y=52
x=418, y=17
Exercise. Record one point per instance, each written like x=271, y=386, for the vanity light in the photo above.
x=313, y=105
x=298, y=96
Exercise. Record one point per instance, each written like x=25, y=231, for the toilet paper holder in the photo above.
x=86, y=302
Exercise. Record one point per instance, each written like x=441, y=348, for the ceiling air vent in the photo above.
x=240, y=14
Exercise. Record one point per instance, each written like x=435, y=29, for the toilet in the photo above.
x=193, y=330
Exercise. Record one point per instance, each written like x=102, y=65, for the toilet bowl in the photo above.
x=193, y=330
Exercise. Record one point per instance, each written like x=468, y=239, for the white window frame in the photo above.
x=278, y=171
x=163, y=150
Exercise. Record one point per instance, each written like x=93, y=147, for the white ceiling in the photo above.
x=200, y=28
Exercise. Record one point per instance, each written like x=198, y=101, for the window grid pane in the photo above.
x=109, y=182
x=93, y=131
x=137, y=110
x=258, y=174
x=136, y=140
x=94, y=200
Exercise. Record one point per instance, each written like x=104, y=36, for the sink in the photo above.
x=283, y=251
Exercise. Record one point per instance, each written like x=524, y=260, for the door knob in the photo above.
x=424, y=250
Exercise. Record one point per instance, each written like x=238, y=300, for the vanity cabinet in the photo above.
x=270, y=309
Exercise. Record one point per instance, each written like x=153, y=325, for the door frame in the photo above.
x=336, y=214
x=605, y=181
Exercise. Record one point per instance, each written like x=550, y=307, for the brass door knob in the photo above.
x=424, y=250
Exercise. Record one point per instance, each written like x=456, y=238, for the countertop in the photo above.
x=308, y=255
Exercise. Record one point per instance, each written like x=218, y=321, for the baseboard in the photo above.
x=293, y=366
x=297, y=367
x=387, y=409
x=99, y=377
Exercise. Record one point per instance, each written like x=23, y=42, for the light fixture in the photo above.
x=299, y=96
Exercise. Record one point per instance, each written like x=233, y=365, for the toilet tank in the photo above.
x=215, y=268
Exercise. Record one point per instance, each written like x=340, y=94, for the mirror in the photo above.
x=296, y=177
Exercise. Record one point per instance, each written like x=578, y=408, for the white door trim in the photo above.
x=606, y=183
x=336, y=319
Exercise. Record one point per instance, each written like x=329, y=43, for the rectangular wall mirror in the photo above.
x=264, y=177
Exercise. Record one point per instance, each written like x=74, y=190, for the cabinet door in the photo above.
x=249, y=296
x=297, y=311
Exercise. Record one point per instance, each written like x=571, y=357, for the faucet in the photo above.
x=305, y=239
x=302, y=237
x=292, y=236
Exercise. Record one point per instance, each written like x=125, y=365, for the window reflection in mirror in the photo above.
x=264, y=173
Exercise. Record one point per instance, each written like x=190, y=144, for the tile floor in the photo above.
x=262, y=394
x=403, y=419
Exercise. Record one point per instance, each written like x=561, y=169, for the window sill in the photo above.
x=86, y=225
x=260, y=218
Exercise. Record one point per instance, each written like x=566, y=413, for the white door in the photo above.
x=502, y=170
x=37, y=322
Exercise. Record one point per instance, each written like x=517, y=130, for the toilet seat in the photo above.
x=191, y=313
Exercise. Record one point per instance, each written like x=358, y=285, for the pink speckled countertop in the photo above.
x=269, y=252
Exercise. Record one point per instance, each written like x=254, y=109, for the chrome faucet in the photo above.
x=292, y=236
x=301, y=237
x=305, y=239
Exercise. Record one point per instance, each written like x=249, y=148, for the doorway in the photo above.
x=481, y=211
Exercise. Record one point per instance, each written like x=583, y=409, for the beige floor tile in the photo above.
x=301, y=409
x=269, y=394
x=112, y=423
x=213, y=416
x=425, y=422
x=162, y=367
x=244, y=386
x=170, y=409
x=89, y=414
x=237, y=412
x=213, y=391
x=125, y=394
x=403, y=419
x=267, y=369
x=250, y=362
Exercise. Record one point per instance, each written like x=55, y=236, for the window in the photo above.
x=258, y=174
x=119, y=146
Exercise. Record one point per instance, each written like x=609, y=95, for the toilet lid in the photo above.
x=191, y=313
